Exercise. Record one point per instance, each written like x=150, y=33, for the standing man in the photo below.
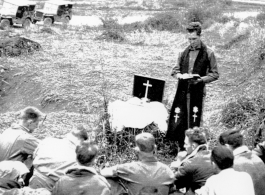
x=187, y=106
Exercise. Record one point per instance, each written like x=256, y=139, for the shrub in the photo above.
x=112, y=35
x=117, y=147
x=202, y=10
x=163, y=21
x=261, y=19
x=246, y=114
x=110, y=23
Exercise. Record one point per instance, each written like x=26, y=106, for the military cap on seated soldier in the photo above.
x=83, y=178
x=144, y=175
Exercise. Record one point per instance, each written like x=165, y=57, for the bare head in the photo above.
x=232, y=139
x=86, y=153
x=145, y=144
x=222, y=157
x=30, y=117
x=194, y=33
x=194, y=138
x=78, y=134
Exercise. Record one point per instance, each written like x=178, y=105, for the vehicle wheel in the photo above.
x=47, y=22
x=26, y=23
x=5, y=23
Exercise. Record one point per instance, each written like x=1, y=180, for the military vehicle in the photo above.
x=55, y=11
x=17, y=12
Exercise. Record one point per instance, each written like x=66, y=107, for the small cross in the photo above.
x=146, y=90
x=194, y=117
x=176, y=118
x=177, y=111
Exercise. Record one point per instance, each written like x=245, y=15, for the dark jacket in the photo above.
x=259, y=150
x=82, y=181
x=253, y=165
x=195, y=170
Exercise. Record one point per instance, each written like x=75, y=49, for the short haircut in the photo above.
x=223, y=157
x=194, y=27
x=80, y=132
x=145, y=142
x=86, y=152
x=31, y=113
x=197, y=135
x=232, y=137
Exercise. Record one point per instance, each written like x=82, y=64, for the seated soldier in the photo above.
x=54, y=156
x=17, y=143
x=11, y=173
x=244, y=159
x=83, y=178
x=195, y=168
x=227, y=181
x=144, y=176
x=259, y=150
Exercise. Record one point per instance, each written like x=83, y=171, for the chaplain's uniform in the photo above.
x=187, y=107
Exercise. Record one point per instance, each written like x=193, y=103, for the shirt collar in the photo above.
x=194, y=152
x=18, y=126
x=198, y=47
x=148, y=159
x=81, y=167
x=240, y=150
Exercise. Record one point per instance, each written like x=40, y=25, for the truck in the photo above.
x=55, y=11
x=17, y=12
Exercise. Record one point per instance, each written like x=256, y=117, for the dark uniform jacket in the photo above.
x=195, y=170
x=82, y=181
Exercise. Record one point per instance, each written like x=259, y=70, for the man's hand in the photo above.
x=175, y=164
x=196, y=81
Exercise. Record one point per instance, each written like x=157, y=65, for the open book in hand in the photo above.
x=190, y=76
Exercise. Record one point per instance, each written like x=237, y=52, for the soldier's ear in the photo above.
x=194, y=146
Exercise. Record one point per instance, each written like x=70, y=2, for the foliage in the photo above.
x=164, y=21
x=261, y=19
x=246, y=114
x=112, y=35
x=114, y=145
x=203, y=10
x=236, y=39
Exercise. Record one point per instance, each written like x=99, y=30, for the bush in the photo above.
x=164, y=21
x=110, y=23
x=203, y=10
x=246, y=114
x=261, y=19
x=112, y=35
x=117, y=147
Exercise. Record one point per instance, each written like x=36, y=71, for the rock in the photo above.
x=15, y=46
